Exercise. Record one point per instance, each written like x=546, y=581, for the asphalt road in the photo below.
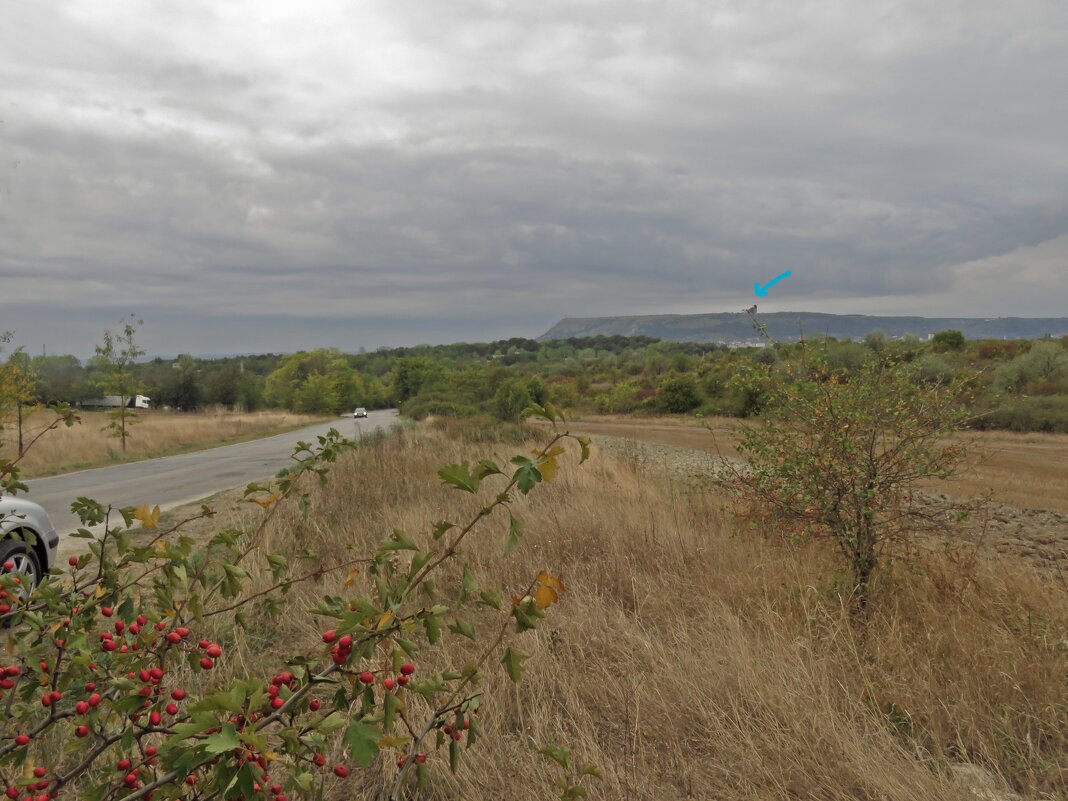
x=175, y=480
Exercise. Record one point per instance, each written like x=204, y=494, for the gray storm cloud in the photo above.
x=379, y=173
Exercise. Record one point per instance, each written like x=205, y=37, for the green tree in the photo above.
x=182, y=389
x=679, y=394
x=116, y=357
x=839, y=455
x=948, y=340
x=511, y=399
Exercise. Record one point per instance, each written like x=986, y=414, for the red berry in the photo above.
x=183, y=632
x=190, y=779
x=402, y=679
x=213, y=651
x=345, y=643
x=155, y=717
x=329, y=636
x=319, y=760
x=81, y=707
x=94, y=699
x=278, y=703
x=388, y=683
x=206, y=663
x=22, y=739
x=177, y=695
x=172, y=709
x=150, y=751
x=173, y=637
x=367, y=678
x=420, y=757
x=108, y=645
x=81, y=731
x=407, y=669
x=341, y=772
x=73, y=561
x=314, y=704
x=106, y=611
x=39, y=772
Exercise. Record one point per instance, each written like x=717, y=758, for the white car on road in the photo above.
x=28, y=540
x=361, y=412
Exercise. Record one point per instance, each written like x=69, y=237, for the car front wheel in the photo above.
x=16, y=557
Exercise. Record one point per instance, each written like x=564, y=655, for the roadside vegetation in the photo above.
x=157, y=434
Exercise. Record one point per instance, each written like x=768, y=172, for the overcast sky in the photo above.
x=270, y=176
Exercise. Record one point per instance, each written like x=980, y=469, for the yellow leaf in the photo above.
x=393, y=741
x=547, y=464
x=545, y=596
x=271, y=756
x=101, y=591
x=546, y=579
x=269, y=501
x=350, y=579
x=383, y=620
x=161, y=546
x=148, y=517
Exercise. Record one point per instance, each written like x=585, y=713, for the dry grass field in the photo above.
x=693, y=662
x=156, y=433
x=1029, y=471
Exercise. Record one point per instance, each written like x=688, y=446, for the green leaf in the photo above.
x=222, y=741
x=362, y=741
x=491, y=598
x=454, y=755
x=515, y=531
x=441, y=527
x=571, y=793
x=465, y=628
x=468, y=585
x=432, y=624
x=561, y=755
x=584, y=444
x=486, y=468
x=526, y=475
x=331, y=723
x=459, y=476
x=513, y=663
x=589, y=769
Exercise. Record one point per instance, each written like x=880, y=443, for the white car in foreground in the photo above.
x=28, y=540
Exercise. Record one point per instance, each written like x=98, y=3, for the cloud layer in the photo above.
x=270, y=176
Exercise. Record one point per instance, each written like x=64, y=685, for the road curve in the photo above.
x=175, y=480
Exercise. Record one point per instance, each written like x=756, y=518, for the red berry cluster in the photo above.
x=287, y=680
x=341, y=649
x=30, y=788
x=5, y=605
x=8, y=676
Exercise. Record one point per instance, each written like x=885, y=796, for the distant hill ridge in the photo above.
x=736, y=327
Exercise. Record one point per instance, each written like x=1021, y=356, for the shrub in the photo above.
x=679, y=394
x=139, y=708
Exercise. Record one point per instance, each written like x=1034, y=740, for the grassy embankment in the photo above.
x=693, y=662
x=155, y=433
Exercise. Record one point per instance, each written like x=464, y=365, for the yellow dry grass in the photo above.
x=155, y=433
x=1023, y=470
x=691, y=662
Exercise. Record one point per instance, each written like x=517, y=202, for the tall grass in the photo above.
x=154, y=433
x=691, y=662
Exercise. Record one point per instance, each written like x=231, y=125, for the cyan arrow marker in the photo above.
x=762, y=291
